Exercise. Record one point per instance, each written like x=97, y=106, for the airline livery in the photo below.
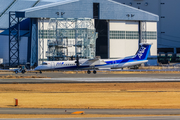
x=93, y=64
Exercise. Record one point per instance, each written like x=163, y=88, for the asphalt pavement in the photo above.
x=91, y=111
x=107, y=118
x=59, y=77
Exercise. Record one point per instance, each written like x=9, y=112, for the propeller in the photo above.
x=77, y=61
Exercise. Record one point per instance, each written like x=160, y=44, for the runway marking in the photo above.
x=120, y=79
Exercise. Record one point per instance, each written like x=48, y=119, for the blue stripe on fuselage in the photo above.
x=119, y=61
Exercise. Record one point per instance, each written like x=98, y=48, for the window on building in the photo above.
x=165, y=50
x=177, y=50
x=96, y=10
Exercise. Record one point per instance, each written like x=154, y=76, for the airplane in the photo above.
x=93, y=64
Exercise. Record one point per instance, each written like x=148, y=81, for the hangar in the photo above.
x=65, y=28
x=168, y=26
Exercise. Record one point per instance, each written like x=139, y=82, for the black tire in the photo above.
x=40, y=72
x=94, y=71
x=88, y=72
x=23, y=71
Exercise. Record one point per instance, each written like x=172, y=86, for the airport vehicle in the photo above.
x=21, y=69
x=93, y=64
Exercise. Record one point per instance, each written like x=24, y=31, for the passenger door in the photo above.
x=114, y=64
x=53, y=65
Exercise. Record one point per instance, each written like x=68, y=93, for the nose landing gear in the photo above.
x=88, y=72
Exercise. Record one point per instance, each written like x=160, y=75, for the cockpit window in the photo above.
x=44, y=63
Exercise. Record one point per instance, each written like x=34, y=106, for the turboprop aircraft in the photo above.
x=93, y=64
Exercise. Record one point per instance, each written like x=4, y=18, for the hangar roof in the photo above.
x=15, y=5
x=109, y=10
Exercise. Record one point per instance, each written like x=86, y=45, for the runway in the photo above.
x=56, y=77
x=114, y=79
x=91, y=111
x=102, y=118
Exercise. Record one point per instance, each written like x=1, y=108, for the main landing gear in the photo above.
x=89, y=72
x=39, y=72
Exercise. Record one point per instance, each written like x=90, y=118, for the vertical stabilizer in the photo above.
x=143, y=52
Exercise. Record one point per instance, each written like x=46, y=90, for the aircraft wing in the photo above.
x=93, y=62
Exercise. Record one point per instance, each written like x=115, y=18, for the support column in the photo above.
x=76, y=37
x=143, y=32
x=108, y=40
x=139, y=30
x=41, y=41
x=34, y=43
x=175, y=51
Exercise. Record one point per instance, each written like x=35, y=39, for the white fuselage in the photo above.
x=71, y=65
x=139, y=58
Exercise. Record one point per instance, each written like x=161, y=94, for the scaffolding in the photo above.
x=57, y=49
x=14, y=38
x=77, y=34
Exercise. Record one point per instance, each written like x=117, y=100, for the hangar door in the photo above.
x=123, y=38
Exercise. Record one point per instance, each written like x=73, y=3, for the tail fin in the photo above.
x=143, y=52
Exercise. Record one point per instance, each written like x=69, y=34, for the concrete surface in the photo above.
x=91, y=111
x=58, y=77
x=103, y=118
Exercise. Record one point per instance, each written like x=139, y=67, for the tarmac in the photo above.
x=103, y=118
x=59, y=77
x=91, y=111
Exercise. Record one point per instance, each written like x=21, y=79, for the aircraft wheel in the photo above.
x=16, y=72
x=89, y=72
x=23, y=71
x=94, y=71
x=40, y=72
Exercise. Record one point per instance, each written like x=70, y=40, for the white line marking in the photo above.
x=111, y=79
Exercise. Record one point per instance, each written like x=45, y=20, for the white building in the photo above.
x=120, y=27
x=168, y=26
